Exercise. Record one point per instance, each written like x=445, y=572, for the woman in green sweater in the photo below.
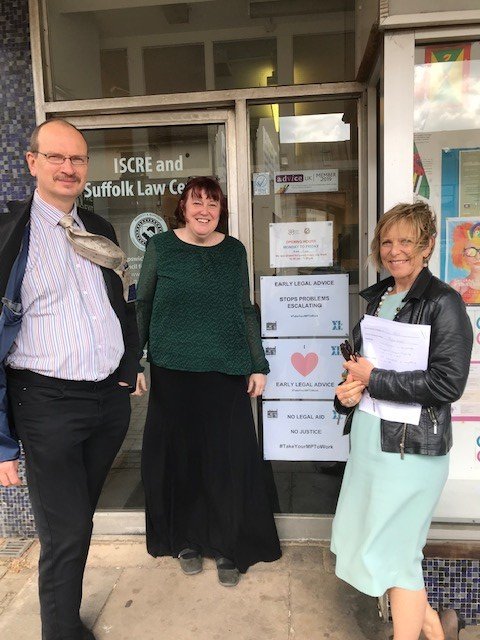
x=201, y=468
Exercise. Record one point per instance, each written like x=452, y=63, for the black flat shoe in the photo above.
x=228, y=574
x=191, y=561
x=451, y=623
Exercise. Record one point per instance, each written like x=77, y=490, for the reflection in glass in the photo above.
x=137, y=47
x=318, y=140
x=114, y=72
x=172, y=69
x=135, y=178
x=447, y=87
x=245, y=63
x=324, y=127
x=326, y=59
x=446, y=162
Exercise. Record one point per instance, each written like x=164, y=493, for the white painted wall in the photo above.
x=399, y=50
x=402, y=7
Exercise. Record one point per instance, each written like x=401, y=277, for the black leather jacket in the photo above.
x=433, y=302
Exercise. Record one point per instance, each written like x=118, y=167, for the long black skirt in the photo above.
x=202, y=471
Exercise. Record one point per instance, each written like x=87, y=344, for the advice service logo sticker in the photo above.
x=144, y=226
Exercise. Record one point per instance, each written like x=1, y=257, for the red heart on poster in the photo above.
x=304, y=364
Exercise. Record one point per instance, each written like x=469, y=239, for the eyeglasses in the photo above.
x=58, y=158
x=471, y=252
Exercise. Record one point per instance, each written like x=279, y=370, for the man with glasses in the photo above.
x=68, y=351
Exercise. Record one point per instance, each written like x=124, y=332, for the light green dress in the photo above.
x=385, y=506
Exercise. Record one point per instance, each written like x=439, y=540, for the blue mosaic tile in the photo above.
x=454, y=583
x=17, y=120
x=16, y=516
x=17, y=113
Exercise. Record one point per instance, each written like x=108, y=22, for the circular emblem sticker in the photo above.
x=144, y=226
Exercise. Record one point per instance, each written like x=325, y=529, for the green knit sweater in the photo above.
x=194, y=309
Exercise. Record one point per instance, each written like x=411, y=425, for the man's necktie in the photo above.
x=98, y=249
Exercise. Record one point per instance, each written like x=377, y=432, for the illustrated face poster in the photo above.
x=462, y=257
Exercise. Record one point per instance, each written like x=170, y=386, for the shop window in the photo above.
x=446, y=174
x=135, y=48
x=447, y=149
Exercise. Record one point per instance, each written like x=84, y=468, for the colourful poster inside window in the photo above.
x=421, y=186
x=448, y=82
x=462, y=257
x=460, y=232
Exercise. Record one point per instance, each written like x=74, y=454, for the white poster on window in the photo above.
x=301, y=244
x=309, y=430
x=474, y=315
x=303, y=368
x=313, y=180
x=467, y=408
x=313, y=306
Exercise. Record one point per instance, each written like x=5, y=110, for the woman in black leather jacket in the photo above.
x=396, y=470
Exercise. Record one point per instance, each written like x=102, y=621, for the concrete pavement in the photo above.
x=129, y=595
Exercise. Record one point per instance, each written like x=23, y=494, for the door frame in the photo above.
x=179, y=118
x=236, y=121
x=291, y=527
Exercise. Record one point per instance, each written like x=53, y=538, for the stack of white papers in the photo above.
x=399, y=347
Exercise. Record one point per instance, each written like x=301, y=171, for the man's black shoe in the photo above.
x=87, y=634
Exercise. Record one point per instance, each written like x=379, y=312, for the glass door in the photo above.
x=304, y=221
x=304, y=163
x=137, y=171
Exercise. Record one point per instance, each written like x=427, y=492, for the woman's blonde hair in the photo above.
x=418, y=215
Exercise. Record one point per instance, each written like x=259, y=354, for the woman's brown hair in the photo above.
x=212, y=190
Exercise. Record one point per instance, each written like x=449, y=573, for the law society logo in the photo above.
x=144, y=226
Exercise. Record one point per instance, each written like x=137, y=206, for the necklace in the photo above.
x=384, y=295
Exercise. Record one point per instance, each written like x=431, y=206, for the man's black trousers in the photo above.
x=71, y=432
